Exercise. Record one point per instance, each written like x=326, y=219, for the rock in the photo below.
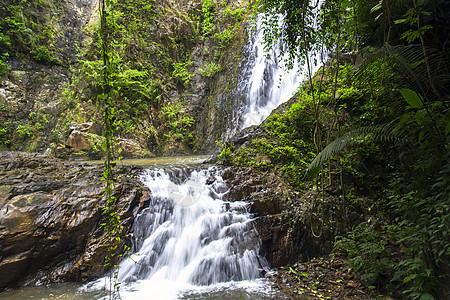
x=50, y=216
x=210, y=180
x=283, y=239
x=80, y=141
x=84, y=127
x=129, y=148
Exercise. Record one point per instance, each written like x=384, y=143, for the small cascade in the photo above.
x=189, y=237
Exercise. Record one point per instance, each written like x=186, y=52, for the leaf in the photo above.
x=426, y=297
x=447, y=128
x=377, y=7
x=409, y=278
x=377, y=17
x=421, y=135
x=413, y=99
x=400, y=21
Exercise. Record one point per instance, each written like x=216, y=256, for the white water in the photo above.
x=192, y=244
x=271, y=83
x=266, y=81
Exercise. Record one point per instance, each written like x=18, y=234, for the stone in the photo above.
x=50, y=216
x=79, y=141
x=84, y=127
x=282, y=240
x=129, y=148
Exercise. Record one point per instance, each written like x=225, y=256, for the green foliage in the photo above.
x=42, y=54
x=383, y=132
x=287, y=144
x=209, y=10
x=395, y=104
x=210, y=69
x=24, y=131
x=4, y=66
x=177, y=122
x=370, y=252
x=181, y=71
x=226, y=155
x=225, y=37
x=24, y=34
x=412, y=18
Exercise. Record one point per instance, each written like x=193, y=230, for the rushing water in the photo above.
x=189, y=243
x=270, y=82
x=265, y=80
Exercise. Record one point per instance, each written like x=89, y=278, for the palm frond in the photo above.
x=384, y=133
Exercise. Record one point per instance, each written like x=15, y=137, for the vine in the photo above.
x=113, y=225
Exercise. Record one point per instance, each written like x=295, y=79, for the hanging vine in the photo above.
x=113, y=225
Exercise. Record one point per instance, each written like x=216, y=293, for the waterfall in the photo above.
x=189, y=238
x=270, y=82
x=265, y=81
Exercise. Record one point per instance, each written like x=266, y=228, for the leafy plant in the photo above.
x=181, y=72
x=177, y=122
x=4, y=66
x=210, y=69
x=208, y=9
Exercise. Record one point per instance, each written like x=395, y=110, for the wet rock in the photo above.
x=210, y=180
x=50, y=216
x=283, y=239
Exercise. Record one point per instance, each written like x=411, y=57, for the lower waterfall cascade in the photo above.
x=189, y=242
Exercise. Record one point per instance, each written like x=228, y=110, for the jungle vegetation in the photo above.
x=370, y=133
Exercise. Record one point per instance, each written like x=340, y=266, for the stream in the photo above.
x=189, y=243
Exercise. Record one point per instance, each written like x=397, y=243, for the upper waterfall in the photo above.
x=270, y=83
x=265, y=80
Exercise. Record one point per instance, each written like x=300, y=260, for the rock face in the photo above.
x=284, y=239
x=50, y=216
x=39, y=97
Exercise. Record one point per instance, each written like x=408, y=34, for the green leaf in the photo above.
x=377, y=17
x=377, y=7
x=409, y=278
x=447, y=128
x=399, y=21
x=413, y=99
x=426, y=297
x=421, y=135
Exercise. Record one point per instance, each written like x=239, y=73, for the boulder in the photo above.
x=51, y=216
x=79, y=141
x=129, y=148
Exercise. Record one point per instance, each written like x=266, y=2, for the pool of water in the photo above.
x=260, y=289
x=169, y=161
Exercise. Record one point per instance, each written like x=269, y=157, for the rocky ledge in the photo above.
x=50, y=216
x=284, y=239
